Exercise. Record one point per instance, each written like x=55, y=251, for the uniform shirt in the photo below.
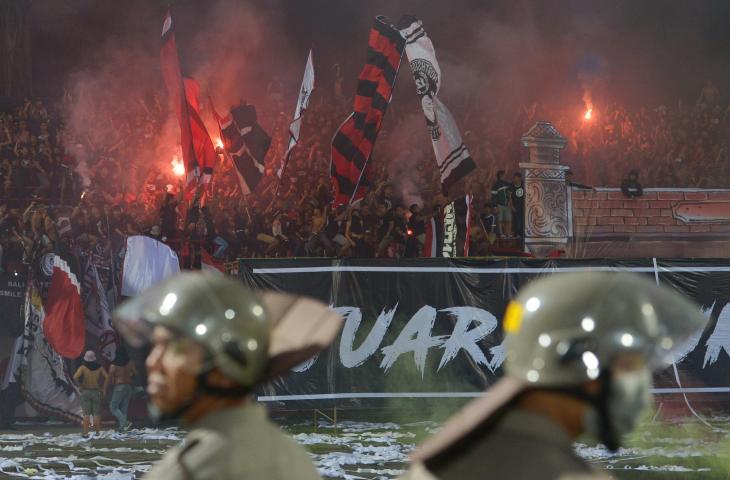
x=236, y=443
x=523, y=445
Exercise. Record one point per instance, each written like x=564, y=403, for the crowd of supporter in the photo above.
x=63, y=191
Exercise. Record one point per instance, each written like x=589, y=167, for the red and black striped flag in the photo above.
x=353, y=143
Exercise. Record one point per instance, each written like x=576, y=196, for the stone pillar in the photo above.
x=547, y=212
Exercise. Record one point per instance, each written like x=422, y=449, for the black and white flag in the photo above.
x=246, y=143
x=452, y=156
x=302, y=104
x=457, y=228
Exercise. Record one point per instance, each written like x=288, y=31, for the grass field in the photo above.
x=681, y=449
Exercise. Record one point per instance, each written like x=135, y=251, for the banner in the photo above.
x=12, y=305
x=147, y=263
x=431, y=328
x=452, y=157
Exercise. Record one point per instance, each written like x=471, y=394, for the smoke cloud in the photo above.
x=502, y=63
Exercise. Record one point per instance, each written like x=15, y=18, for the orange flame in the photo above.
x=218, y=143
x=177, y=166
x=589, y=114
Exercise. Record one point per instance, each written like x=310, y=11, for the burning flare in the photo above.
x=218, y=143
x=177, y=166
x=589, y=113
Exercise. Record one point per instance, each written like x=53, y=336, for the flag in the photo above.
x=12, y=370
x=43, y=376
x=457, y=228
x=197, y=148
x=147, y=263
x=202, y=144
x=210, y=264
x=302, y=104
x=64, y=325
x=431, y=238
x=98, y=313
x=353, y=142
x=221, y=245
x=452, y=157
x=245, y=143
x=467, y=236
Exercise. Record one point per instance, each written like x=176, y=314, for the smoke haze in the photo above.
x=500, y=56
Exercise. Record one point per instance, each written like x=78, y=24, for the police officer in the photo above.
x=212, y=342
x=580, y=352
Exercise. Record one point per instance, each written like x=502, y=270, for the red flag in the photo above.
x=208, y=263
x=197, y=148
x=64, y=325
x=202, y=144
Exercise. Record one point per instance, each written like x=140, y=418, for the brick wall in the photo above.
x=609, y=212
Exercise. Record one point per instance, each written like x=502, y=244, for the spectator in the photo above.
x=570, y=183
x=416, y=229
x=502, y=199
x=355, y=233
x=318, y=242
x=121, y=379
x=631, y=186
x=90, y=377
x=168, y=217
x=517, y=194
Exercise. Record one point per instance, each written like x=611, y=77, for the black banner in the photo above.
x=431, y=328
x=12, y=301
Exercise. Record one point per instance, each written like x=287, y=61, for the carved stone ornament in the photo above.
x=547, y=225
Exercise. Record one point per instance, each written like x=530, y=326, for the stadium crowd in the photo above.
x=67, y=192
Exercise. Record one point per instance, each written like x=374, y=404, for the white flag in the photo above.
x=302, y=104
x=147, y=263
x=452, y=156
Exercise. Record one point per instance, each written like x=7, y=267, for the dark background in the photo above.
x=639, y=51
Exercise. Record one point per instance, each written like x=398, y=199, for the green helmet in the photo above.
x=566, y=328
x=228, y=319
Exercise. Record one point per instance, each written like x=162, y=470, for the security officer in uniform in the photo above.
x=213, y=341
x=580, y=352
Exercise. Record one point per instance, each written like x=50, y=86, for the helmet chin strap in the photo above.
x=608, y=435
x=202, y=389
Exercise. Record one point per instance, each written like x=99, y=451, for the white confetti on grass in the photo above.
x=352, y=450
